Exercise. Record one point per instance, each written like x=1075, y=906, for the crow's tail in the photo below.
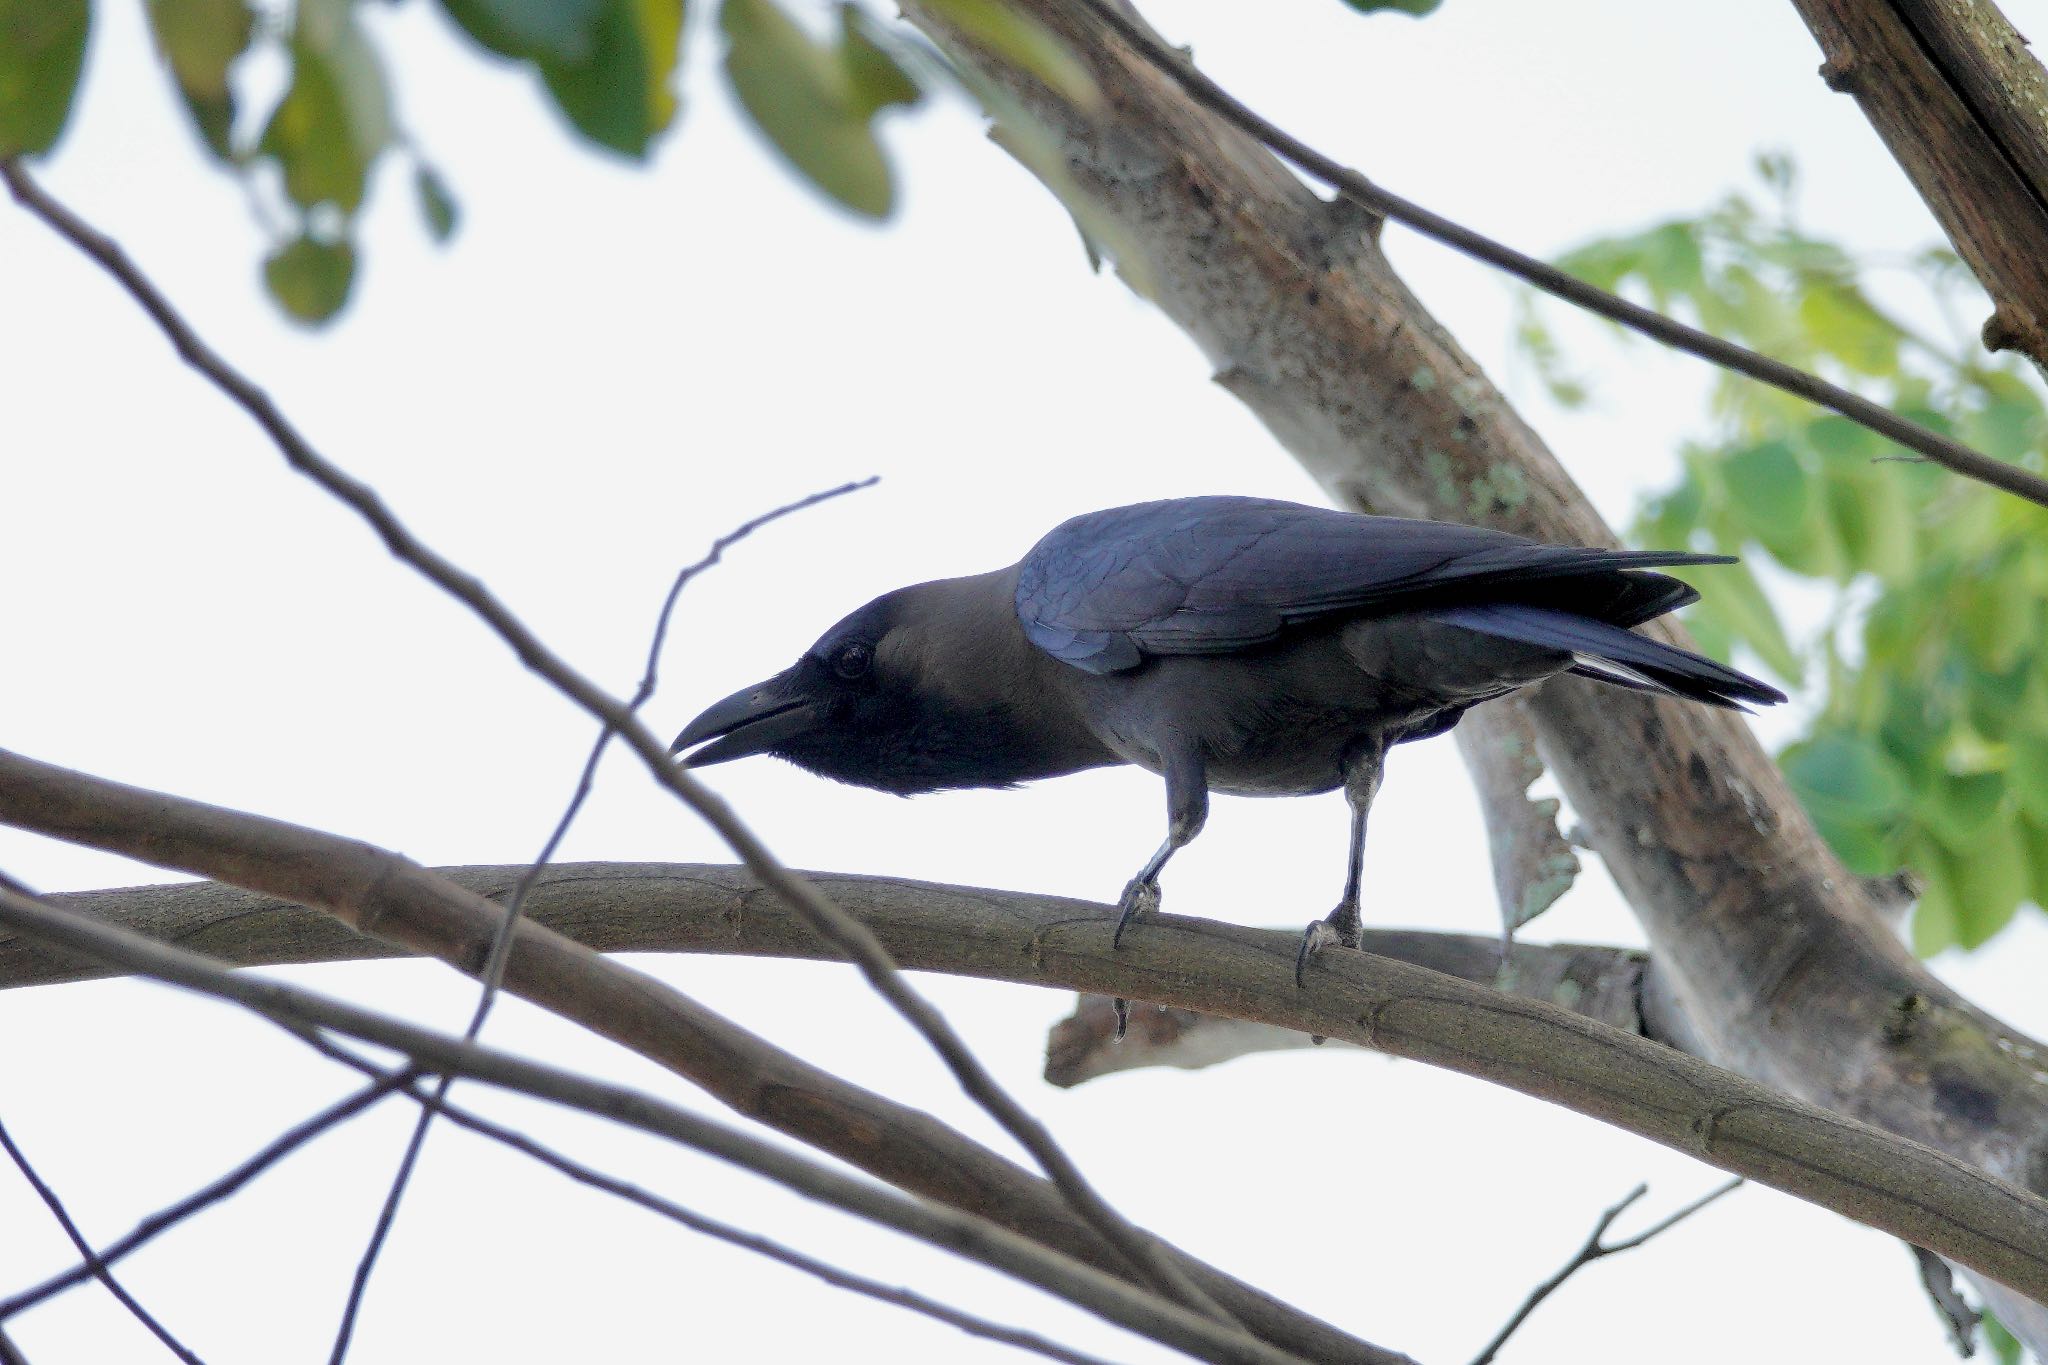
x=1614, y=655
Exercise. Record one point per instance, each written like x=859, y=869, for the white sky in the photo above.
x=609, y=367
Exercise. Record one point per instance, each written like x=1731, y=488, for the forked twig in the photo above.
x=1595, y=1249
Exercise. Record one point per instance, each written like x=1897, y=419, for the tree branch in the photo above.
x=298, y=1011
x=1920, y=1195
x=1596, y=1247
x=375, y=892
x=714, y=1228
x=1960, y=102
x=205, y=1197
x=95, y=1267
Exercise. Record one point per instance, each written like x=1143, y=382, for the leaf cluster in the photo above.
x=609, y=68
x=1928, y=743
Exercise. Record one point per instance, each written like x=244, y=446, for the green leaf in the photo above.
x=530, y=30
x=2006, y=428
x=623, y=92
x=1847, y=776
x=2027, y=764
x=201, y=40
x=875, y=77
x=1845, y=324
x=1874, y=519
x=1995, y=620
x=437, y=205
x=2034, y=837
x=2005, y=1348
x=1770, y=490
x=1671, y=263
x=1025, y=43
x=1934, y=914
x=1960, y=808
x=335, y=119
x=1989, y=883
x=798, y=93
x=42, y=50
x=310, y=279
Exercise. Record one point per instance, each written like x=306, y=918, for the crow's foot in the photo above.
x=1340, y=928
x=1140, y=897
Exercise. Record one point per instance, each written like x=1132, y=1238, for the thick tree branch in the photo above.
x=1920, y=1195
x=380, y=893
x=1962, y=104
x=720, y=908
x=301, y=1011
x=1770, y=957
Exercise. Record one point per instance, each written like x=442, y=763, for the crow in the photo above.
x=1242, y=645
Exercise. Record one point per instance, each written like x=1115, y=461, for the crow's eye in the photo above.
x=853, y=659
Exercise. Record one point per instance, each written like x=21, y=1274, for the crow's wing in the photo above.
x=1218, y=574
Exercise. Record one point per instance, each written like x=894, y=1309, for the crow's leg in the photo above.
x=1362, y=772
x=1187, y=807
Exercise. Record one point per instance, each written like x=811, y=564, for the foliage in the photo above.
x=608, y=67
x=1928, y=746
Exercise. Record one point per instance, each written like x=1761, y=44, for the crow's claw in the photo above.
x=1140, y=898
x=1338, y=928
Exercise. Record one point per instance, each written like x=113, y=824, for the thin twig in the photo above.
x=1349, y=184
x=493, y=974
x=297, y=1010
x=287, y=1142
x=99, y=1268
x=895, y=1295
x=1593, y=1250
x=852, y=938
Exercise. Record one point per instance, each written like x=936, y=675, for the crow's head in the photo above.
x=920, y=690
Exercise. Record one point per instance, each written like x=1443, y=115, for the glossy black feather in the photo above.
x=1217, y=575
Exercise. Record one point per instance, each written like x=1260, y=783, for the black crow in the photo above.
x=1255, y=647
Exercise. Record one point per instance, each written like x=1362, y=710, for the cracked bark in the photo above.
x=1768, y=957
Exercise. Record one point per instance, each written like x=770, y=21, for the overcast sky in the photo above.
x=610, y=366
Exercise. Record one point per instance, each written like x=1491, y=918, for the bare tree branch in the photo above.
x=860, y=947
x=742, y=1238
x=501, y=941
x=1349, y=184
x=375, y=891
x=1923, y=1196
x=1959, y=101
x=1595, y=1248
x=94, y=1265
x=975, y=1238
x=282, y=1146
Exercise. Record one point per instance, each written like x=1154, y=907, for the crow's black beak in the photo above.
x=752, y=720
